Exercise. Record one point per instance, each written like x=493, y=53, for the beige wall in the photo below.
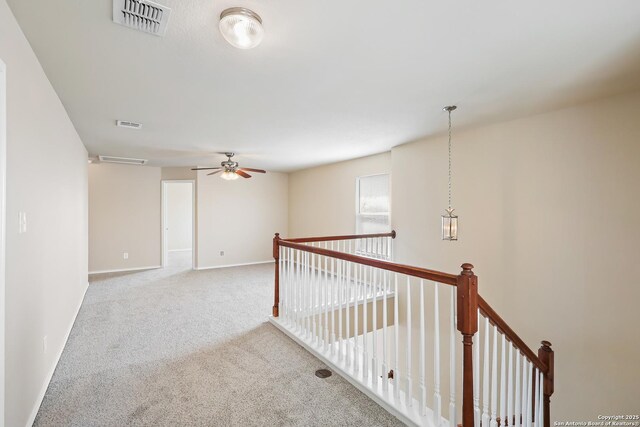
x=179, y=217
x=322, y=200
x=124, y=216
x=549, y=214
x=46, y=267
x=177, y=173
x=240, y=218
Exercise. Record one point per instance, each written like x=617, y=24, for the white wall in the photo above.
x=240, y=218
x=179, y=216
x=124, y=216
x=46, y=267
x=322, y=200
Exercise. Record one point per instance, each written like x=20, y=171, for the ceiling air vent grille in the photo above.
x=128, y=124
x=141, y=15
x=123, y=160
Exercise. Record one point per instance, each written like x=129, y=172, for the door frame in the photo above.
x=3, y=207
x=163, y=215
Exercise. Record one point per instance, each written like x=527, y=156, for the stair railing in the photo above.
x=339, y=296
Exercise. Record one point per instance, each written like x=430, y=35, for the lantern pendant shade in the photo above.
x=449, y=226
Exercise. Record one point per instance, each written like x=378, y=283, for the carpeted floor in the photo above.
x=176, y=347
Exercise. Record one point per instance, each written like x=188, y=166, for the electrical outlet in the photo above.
x=221, y=253
x=44, y=345
x=125, y=255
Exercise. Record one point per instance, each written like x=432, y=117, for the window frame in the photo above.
x=357, y=200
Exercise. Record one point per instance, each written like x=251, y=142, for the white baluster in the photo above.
x=540, y=399
x=409, y=381
x=510, y=388
x=313, y=299
x=305, y=292
x=356, y=270
x=318, y=299
x=525, y=386
x=348, y=267
x=396, y=340
x=536, y=413
x=296, y=285
x=385, y=324
x=529, y=394
x=421, y=360
x=326, y=301
x=374, y=365
x=340, y=284
x=476, y=376
x=494, y=379
x=437, y=400
x=291, y=287
x=503, y=381
x=332, y=298
x=281, y=280
x=452, y=360
x=383, y=246
x=365, y=326
x=518, y=401
x=485, y=376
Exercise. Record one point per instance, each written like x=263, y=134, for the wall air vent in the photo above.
x=142, y=15
x=123, y=160
x=128, y=124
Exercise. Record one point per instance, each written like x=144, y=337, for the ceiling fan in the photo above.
x=230, y=169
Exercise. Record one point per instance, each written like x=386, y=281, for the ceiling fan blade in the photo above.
x=202, y=169
x=253, y=170
x=214, y=172
x=243, y=173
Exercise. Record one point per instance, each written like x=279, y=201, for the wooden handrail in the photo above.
x=469, y=304
x=436, y=276
x=391, y=234
x=502, y=326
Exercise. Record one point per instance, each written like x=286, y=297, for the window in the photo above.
x=372, y=204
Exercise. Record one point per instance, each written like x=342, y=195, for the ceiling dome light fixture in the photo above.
x=241, y=27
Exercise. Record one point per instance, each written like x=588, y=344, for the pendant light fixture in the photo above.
x=241, y=27
x=449, y=220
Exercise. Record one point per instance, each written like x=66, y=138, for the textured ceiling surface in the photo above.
x=332, y=80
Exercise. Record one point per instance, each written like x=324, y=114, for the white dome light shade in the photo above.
x=229, y=175
x=241, y=27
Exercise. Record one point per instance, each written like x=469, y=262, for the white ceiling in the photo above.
x=332, y=80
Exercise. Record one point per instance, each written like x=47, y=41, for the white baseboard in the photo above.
x=235, y=265
x=151, y=267
x=45, y=385
x=179, y=250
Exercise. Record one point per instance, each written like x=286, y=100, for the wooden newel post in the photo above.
x=276, y=256
x=467, y=291
x=545, y=354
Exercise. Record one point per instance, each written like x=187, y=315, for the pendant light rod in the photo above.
x=449, y=109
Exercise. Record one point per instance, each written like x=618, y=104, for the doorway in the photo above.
x=178, y=224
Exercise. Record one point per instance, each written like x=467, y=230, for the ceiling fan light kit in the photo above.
x=230, y=169
x=229, y=176
x=241, y=27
